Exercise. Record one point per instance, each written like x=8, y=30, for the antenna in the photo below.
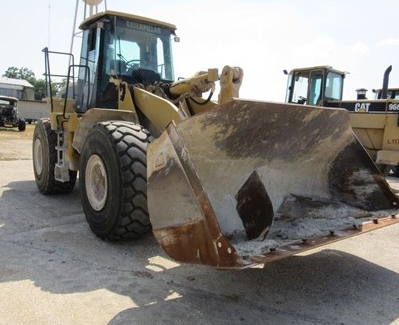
x=48, y=24
x=89, y=5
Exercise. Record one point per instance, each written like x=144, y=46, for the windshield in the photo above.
x=8, y=101
x=136, y=46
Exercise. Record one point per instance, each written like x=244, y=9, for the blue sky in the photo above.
x=262, y=37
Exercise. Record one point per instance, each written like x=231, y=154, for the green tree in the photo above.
x=11, y=72
x=21, y=73
x=40, y=89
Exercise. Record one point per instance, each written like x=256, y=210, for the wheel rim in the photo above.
x=38, y=157
x=96, y=182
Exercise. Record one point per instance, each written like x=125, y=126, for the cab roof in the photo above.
x=90, y=20
x=9, y=98
x=319, y=67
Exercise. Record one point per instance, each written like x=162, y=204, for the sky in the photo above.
x=263, y=37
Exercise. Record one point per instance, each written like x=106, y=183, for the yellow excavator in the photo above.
x=219, y=181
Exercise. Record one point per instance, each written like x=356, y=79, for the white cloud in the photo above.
x=360, y=48
x=391, y=41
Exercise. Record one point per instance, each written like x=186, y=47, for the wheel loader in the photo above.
x=221, y=181
x=374, y=121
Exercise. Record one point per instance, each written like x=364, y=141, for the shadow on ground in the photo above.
x=46, y=239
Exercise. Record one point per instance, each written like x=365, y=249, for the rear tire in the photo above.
x=44, y=157
x=113, y=180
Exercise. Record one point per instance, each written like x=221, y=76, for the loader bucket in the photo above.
x=250, y=182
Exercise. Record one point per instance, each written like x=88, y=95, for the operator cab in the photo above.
x=392, y=93
x=130, y=48
x=314, y=85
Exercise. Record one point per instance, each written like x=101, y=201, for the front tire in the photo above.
x=44, y=157
x=21, y=125
x=113, y=180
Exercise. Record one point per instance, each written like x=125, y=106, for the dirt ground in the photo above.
x=53, y=270
x=16, y=145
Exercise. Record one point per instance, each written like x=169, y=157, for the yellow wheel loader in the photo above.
x=219, y=181
x=374, y=121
